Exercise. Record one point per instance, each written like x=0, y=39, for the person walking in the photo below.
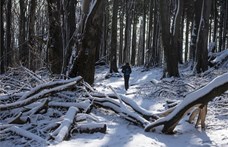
x=126, y=70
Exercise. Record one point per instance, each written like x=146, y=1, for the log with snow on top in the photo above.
x=90, y=128
x=63, y=130
x=24, y=133
x=119, y=106
x=197, y=98
x=145, y=113
x=216, y=59
x=37, y=94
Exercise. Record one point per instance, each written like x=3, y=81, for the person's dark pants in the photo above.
x=126, y=82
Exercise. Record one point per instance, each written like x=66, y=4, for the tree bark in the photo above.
x=23, y=50
x=171, y=53
x=126, y=51
x=134, y=37
x=121, y=13
x=69, y=8
x=1, y=39
x=31, y=34
x=195, y=28
x=202, y=38
x=84, y=64
x=55, y=46
x=9, y=51
x=186, y=55
x=113, y=54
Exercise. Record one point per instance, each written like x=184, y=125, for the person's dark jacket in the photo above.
x=126, y=70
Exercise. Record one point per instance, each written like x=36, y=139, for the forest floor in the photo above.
x=152, y=97
x=142, y=90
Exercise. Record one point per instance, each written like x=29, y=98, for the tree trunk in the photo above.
x=121, y=13
x=32, y=50
x=134, y=38
x=55, y=46
x=70, y=28
x=113, y=54
x=186, y=40
x=202, y=38
x=215, y=22
x=8, y=34
x=84, y=64
x=195, y=26
x=1, y=39
x=171, y=53
x=23, y=50
x=154, y=59
x=143, y=33
x=149, y=41
x=126, y=55
x=140, y=52
x=177, y=29
x=221, y=23
x=225, y=29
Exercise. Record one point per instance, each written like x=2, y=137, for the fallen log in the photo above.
x=41, y=108
x=145, y=113
x=121, y=110
x=63, y=130
x=26, y=134
x=90, y=128
x=39, y=95
x=195, y=99
x=49, y=85
x=18, y=119
x=81, y=105
x=217, y=59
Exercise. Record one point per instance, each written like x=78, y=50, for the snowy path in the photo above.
x=122, y=134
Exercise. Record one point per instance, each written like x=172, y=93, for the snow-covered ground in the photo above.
x=143, y=90
x=121, y=133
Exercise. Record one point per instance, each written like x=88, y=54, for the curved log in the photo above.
x=200, y=97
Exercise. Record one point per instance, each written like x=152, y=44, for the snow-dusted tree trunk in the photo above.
x=84, y=63
x=195, y=99
x=202, y=38
x=170, y=51
x=68, y=31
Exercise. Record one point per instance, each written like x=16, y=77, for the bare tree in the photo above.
x=2, y=39
x=134, y=34
x=202, y=37
x=113, y=52
x=8, y=34
x=31, y=34
x=171, y=53
x=128, y=19
x=23, y=50
x=55, y=46
x=84, y=63
x=68, y=30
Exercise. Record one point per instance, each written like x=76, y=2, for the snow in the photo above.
x=123, y=134
x=221, y=57
x=142, y=91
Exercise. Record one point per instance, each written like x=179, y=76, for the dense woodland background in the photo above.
x=49, y=50
x=70, y=37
